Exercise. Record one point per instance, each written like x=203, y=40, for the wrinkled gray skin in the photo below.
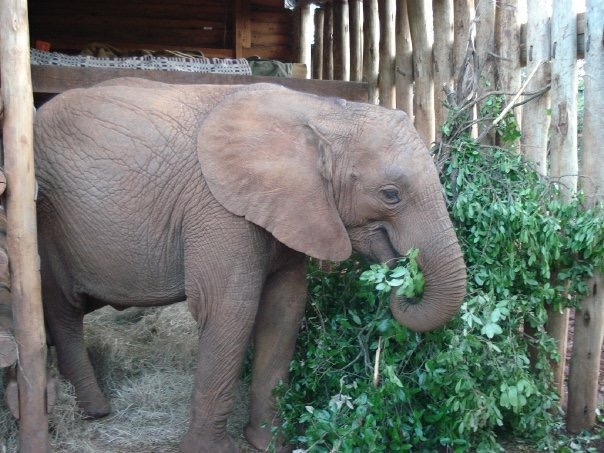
x=152, y=194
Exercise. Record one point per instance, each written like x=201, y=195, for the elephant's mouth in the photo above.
x=374, y=243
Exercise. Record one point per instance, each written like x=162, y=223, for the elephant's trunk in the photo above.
x=444, y=271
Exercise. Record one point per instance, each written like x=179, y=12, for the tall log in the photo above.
x=564, y=162
x=589, y=318
x=463, y=15
x=371, y=46
x=317, y=51
x=507, y=43
x=304, y=19
x=22, y=240
x=387, y=11
x=404, y=60
x=356, y=40
x=341, y=41
x=328, y=42
x=442, y=57
x=485, y=51
x=485, y=40
x=423, y=99
x=536, y=120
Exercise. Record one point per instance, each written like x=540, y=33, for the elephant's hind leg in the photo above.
x=64, y=318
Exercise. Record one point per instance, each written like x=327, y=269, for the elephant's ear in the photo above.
x=263, y=160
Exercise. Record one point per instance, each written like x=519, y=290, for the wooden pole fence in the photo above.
x=21, y=220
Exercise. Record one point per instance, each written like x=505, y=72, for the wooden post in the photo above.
x=317, y=54
x=304, y=39
x=589, y=318
x=371, y=45
x=463, y=15
x=485, y=50
x=442, y=57
x=387, y=11
x=536, y=118
x=243, y=27
x=356, y=40
x=328, y=42
x=21, y=218
x=404, y=60
x=485, y=40
x=507, y=43
x=341, y=41
x=423, y=99
x=563, y=147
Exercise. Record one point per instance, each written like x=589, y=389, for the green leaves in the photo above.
x=405, y=276
x=460, y=387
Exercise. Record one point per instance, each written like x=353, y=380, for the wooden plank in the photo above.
x=56, y=79
x=282, y=53
x=269, y=28
x=22, y=237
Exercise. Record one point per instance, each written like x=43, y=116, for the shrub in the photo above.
x=461, y=386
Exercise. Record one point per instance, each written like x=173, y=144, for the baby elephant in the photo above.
x=152, y=194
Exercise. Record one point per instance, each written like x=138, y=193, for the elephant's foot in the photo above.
x=94, y=407
x=199, y=444
x=261, y=437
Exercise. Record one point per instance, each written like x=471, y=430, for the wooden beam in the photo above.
x=243, y=27
x=21, y=219
x=56, y=79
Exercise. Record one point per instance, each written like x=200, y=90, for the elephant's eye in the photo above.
x=390, y=195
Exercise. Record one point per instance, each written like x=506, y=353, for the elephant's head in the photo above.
x=326, y=176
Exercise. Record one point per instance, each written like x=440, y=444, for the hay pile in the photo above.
x=145, y=360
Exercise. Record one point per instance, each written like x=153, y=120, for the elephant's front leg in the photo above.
x=275, y=332
x=225, y=330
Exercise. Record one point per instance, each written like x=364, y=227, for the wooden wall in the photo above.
x=207, y=25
